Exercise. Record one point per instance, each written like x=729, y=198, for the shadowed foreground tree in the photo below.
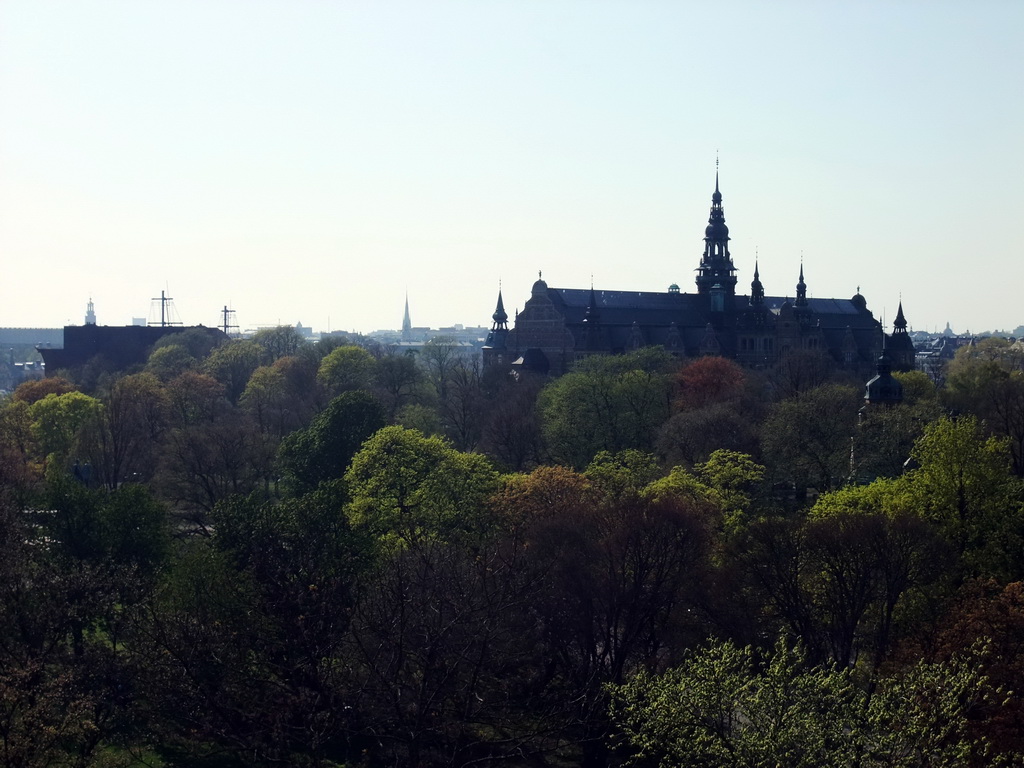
x=616, y=575
x=806, y=439
x=242, y=647
x=444, y=643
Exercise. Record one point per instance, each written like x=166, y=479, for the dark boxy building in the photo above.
x=559, y=326
x=120, y=345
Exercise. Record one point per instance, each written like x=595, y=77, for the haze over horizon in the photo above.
x=315, y=162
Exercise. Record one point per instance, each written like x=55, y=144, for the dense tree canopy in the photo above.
x=274, y=552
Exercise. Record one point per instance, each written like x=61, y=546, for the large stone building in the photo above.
x=559, y=326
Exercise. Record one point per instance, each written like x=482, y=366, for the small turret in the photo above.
x=756, y=289
x=495, y=346
x=801, y=288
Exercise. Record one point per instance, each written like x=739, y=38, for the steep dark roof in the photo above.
x=655, y=313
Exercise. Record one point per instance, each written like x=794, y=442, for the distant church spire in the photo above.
x=716, y=267
x=90, y=313
x=406, y=321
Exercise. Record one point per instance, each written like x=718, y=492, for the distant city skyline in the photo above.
x=313, y=163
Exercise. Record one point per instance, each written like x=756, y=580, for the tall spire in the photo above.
x=716, y=267
x=406, y=321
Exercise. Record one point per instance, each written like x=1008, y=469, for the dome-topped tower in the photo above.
x=883, y=389
x=716, y=267
x=540, y=288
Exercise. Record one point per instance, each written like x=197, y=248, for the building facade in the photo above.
x=559, y=326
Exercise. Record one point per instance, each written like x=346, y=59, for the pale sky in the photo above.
x=314, y=160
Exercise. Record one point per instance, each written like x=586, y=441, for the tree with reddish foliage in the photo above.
x=715, y=407
x=33, y=391
x=708, y=381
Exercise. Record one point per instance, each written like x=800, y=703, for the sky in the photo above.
x=317, y=161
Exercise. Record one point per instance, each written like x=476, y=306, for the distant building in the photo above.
x=120, y=346
x=560, y=326
x=884, y=389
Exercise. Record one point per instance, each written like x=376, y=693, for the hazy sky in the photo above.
x=313, y=161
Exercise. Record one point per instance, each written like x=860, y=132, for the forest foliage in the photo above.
x=272, y=552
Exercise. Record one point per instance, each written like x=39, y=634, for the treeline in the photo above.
x=270, y=552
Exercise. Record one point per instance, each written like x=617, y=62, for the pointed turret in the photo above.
x=495, y=344
x=899, y=325
x=716, y=267
x=901, y=346
x=756, y=289
x=801, y=288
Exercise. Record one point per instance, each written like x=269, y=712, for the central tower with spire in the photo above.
x=716, y=267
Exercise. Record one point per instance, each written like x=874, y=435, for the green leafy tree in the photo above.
x=198, y=342
x=323, y=450
x=232, y=364
x=917, y=387
x=722, y=709
x=607, y=404
x=345, y=368
x=987, y=380
x=622, y=473
x=405, y=486
x=841, y=579
x=57, y=421
x=964, y=485
x=737, y=481
x=169, y=361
